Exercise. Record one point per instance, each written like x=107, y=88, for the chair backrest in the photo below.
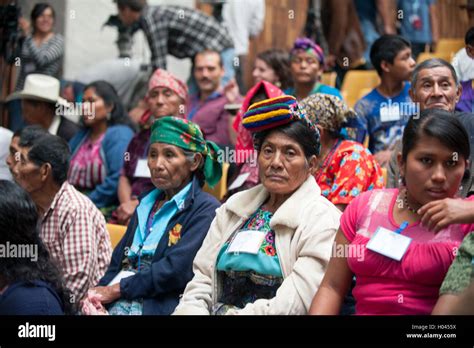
x=449, y=46
x=116, y=232
x=220, y=190
x=428, y=55
x=355, y=81
x=329, y=78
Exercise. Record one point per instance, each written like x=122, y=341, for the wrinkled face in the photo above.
x=208, y=71
x=45, y=22
x=163, y=101
x=403, y=65
x=27, y=174
x=94, y=109
x=13, y=154
x=432, y=171
x=305, y=67
x=263, y=72
x=283, y=166
x=169, y=167
x=436, y=88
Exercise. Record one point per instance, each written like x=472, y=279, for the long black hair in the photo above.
x=107, y=92
x=19, y=225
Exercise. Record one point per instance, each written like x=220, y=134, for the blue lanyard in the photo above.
x=402, y=227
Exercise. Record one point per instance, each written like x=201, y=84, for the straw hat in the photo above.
x=40, y=87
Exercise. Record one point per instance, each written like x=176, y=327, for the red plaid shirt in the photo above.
x=74, y=232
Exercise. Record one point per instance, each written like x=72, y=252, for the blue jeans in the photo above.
x=227, y=57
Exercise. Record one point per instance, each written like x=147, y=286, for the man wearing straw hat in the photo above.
x=40, y=100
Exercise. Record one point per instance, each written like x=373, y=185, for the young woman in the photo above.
x=98, y=150
x=399, y=243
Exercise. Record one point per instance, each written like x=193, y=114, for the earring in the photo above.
x=401, y=181
x=109, y=116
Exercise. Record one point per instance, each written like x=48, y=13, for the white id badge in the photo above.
x=390, y=113
x=121, y=275
x=142, y=170
x=389, y=243
x=239, y=181
x=246, y=242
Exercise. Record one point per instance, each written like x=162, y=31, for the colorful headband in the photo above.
x=274, y=112
x=309, y=46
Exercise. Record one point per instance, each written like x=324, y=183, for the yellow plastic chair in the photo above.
x=355, y=81
x=116, y=232
x=449, y=46
x=220, y=190
x=428, y=55
x=329, y=78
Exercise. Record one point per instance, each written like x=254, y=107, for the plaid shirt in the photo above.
x=181, y=32
x=74, y=232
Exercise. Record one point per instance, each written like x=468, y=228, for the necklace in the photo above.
x=405, y=200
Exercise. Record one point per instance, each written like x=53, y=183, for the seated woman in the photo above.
x=166, y=97
x=268, y=247
x=399, y=242
x=30, y=283
x=97, y=152
x=153, y=262
x=346, y=168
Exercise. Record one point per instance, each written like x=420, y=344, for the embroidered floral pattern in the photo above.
x=260, y=221
x=351, y=171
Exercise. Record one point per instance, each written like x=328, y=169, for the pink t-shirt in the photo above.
x=388, y=287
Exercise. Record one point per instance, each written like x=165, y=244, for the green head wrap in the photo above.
x=187, y=135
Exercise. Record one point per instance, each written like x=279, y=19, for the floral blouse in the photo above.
x=350, y=170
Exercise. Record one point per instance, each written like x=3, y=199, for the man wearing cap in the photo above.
x=40, y=100
x=307, y=65
x=166, y=96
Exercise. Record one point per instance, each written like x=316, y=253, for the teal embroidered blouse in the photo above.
x=265, y=262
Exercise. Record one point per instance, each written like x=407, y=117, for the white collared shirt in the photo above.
x=53, y=129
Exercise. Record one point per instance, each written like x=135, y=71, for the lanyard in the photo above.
x=402, y=227
x=148, y=227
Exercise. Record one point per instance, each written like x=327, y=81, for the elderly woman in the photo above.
x=153, y=262
x=399, y=242
x=346, y=168
x=268, y=247
x=98, y=150
x=166, y=97
x=31, y=283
